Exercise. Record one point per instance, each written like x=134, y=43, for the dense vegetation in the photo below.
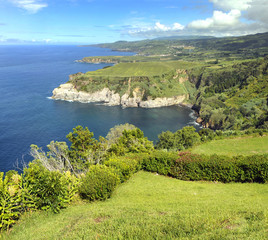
x=233, y=97
x=151, y=206
x=91, y=169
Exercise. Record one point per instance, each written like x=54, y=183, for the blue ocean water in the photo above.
x=28, y=74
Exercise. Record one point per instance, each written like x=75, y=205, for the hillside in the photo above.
x=224, y=79
x=150, y=206
x=242, y=47
x=244, y=145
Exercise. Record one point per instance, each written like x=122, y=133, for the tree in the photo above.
x=57, y=159
x=131, y=141
x=180, y=140
x=83, y=148
x=117, y=131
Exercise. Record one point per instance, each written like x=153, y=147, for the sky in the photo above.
x=101, y=21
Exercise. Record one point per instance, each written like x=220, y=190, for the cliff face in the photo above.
x=68, y=92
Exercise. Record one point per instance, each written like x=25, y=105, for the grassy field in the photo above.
x=150, y=206
x=242, y=145
x=139, y=69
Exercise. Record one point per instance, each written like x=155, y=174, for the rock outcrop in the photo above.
x=68, y=92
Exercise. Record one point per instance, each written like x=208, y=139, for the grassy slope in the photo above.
x=140, y=69
x=149, y=206
x=155, y=79
x=242, y=145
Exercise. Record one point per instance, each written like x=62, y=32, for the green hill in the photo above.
x=250, y=46
x=149, y=79
x=236, y=146
x=149, y=206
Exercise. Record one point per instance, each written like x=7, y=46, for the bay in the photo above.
x=28, y=75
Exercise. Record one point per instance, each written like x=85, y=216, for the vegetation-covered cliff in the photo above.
x=225, y=79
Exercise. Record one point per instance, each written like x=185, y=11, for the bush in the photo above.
x=125, y=166
x=160, y=162
x=50, y=189
x=98, y=183
x=131, y=141
x=14, y=199
x=195, y=167
x=179, y=140
x=221, y=168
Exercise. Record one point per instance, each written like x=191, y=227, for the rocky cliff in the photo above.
x=68, y=92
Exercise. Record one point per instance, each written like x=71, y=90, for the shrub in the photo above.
x=125, y=166
x=131, y=141
x=179, y=140
x=9, y=205
x=195, y=167
x=221, y=168
x=98, y=183
x=14, y=199
x=160, y=162
x=50, y=189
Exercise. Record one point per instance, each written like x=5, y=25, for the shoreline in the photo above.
x=67, y=92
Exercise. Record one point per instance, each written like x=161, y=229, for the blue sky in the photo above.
x=97, y=21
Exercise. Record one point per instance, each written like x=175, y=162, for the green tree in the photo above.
x=131, y=141
x=83, y=148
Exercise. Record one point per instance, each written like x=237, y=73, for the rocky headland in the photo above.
x=68, y=92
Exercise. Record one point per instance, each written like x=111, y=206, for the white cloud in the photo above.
x=31, y=6
x=160, y=27
x=232, y=4
x=229, y=18
x=218, y=20
x=178, y=26
x=157, y=30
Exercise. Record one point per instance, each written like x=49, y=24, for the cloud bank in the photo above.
x=229, y=18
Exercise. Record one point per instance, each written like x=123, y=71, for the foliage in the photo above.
x=221, y=168
x=160, y=162
x=50, y=189
x=194, y=167
x=14, y=199
x=57, y=158
x=83, y=147
x=98, y=183
x=150, y=206
x=131, y=141
x=117, y=131
x=180, y=140
x=125, y=166
x=234, y=97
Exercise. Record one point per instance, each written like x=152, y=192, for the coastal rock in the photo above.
x=162, y=102
x=68, y=92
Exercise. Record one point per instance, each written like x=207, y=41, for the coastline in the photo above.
x=67, y=92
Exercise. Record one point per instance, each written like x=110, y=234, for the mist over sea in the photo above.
x=28, y=75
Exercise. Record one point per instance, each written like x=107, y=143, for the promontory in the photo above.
x=136, y=84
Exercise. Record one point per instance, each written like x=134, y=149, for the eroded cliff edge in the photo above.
x=68, y=92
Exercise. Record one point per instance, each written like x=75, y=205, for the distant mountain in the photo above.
x=197, y=47
x=183, y=37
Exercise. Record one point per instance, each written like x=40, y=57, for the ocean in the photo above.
x=28, y=75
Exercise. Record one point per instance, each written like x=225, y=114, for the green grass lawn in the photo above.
x=236, y=146
x=150, y=206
